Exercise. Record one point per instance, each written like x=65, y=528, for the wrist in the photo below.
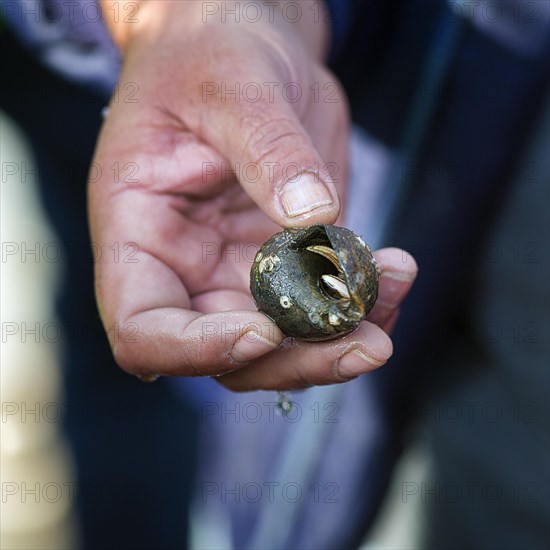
x=128, y=20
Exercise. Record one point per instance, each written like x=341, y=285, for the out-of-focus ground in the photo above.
x=36, y=472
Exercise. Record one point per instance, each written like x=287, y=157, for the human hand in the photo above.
x=180, y=310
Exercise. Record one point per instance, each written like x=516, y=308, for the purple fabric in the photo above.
x=69, y=37
x=243, y=443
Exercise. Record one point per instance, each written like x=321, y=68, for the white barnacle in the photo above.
x=334, y=319
x=336, y=284
x=269, y=264
x=285, y=302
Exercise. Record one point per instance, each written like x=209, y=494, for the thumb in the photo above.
x=274, y=160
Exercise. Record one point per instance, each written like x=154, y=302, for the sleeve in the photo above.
x=340, y=17
x=69, y=37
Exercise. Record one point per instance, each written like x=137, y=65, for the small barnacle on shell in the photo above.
x=316, y=283
x=285, y=302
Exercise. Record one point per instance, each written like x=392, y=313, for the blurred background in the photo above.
x=36, y=465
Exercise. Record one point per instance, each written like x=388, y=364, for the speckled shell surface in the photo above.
x=286, y=281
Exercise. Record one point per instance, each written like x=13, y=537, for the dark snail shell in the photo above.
x=316, y=283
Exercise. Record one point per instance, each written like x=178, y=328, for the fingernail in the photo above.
x=304, y=194
x=393, y=288
x=355, y=362
x=399, y=275
x=251, y=345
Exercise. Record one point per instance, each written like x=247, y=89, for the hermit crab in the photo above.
x=316, y=283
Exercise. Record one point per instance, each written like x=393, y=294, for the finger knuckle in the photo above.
x=270, y=140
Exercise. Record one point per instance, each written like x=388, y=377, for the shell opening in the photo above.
x=333, y=282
